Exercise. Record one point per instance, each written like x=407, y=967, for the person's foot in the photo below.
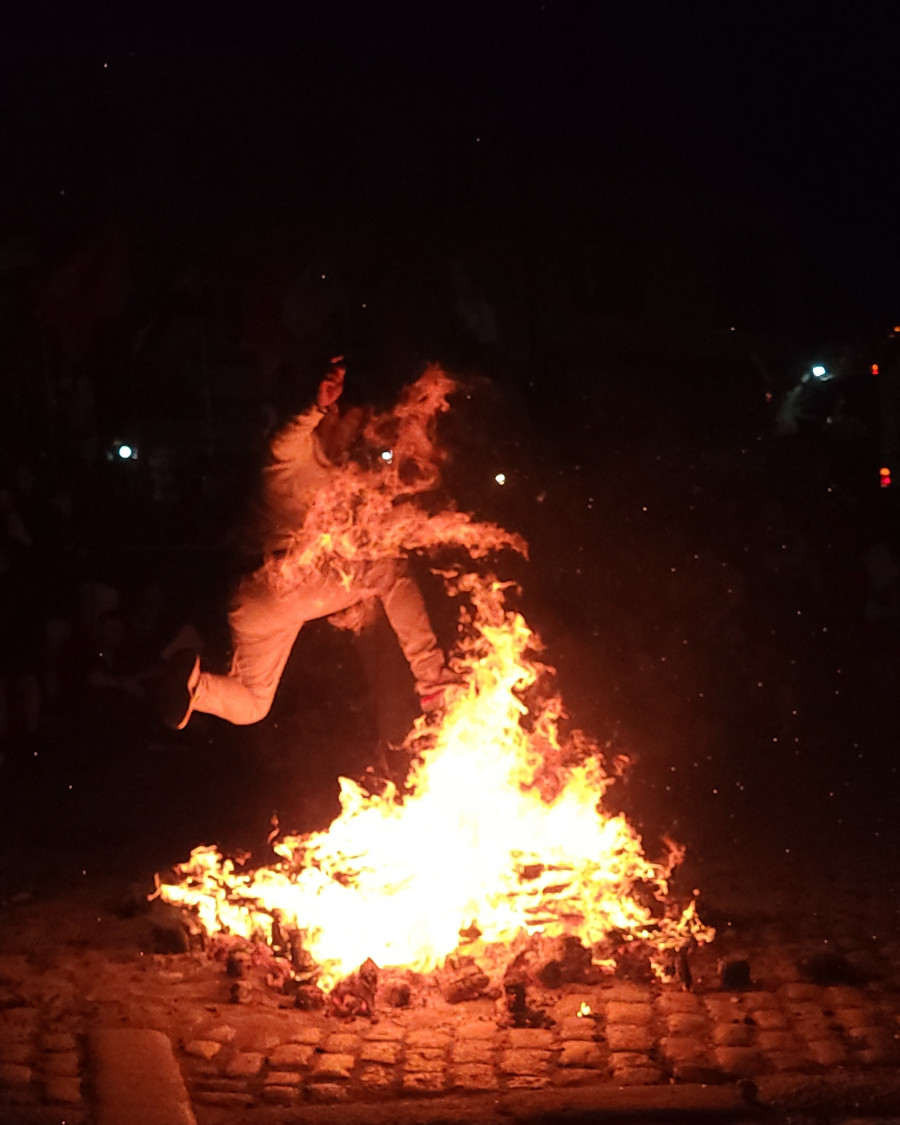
x=435, y=699
x=177, y=688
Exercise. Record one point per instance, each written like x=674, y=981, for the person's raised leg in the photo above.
x=405, y=609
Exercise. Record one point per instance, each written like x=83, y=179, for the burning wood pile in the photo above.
x=496, y=869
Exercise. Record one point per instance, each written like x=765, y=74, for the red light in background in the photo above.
x=874, y=368
x=885, y=474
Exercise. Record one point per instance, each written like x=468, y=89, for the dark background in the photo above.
x=629, y=228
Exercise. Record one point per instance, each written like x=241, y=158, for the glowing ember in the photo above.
x=499, y=832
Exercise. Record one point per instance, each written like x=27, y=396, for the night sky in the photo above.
x=796, y=106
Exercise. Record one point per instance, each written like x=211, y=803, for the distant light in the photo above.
x=819, y=371
x=885, y=474
x=500, y=478
x=323, y=276
x=875, y=368
x=125, y=452
x=387, y=455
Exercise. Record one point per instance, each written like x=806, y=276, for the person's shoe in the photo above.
x=434, y=700
x=177, y=688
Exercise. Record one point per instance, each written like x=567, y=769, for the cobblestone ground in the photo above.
x=823, y=998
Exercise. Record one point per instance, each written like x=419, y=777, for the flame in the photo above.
x=500, y=830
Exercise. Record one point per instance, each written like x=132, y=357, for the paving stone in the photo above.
x=12, y=1074
x=473, y=1051
x=843, y=996
x=811, y=1030
x=627, y=992
x=773, y=1041
x=740, y=1062
x=376, y=1077
x=637, y=1014
x=380, y=1052
x=287, y=1095
x=770, y=1019
x=723, y=1008
x=525, y=1061
x=575, y=1002
x=291, y=1055
x=427, y=1037
x=25, y=1019
x=538, y=1037
x=869, y=1036
x=385, y=1031
x=22, y=1054
x=474, y=1076
x=67, y=1091
x=790, y=1062
x=328, y=1093
x=425, y=1061
x=64, y=1065
x=875, y=1056
x=758, y=1001
x=629, y=1037
x=310, y=1036
x=221, y=1033
x=223, y=1085
x=58, y=1041
x=527, y=1082
x=244, y=1064
x=577, y=1053
x=805, y=1010
x=576, y=1076
x=332, y=1066
x=801, y=991
x=225, y=1099
x=574, y=1027
x=852, y=1018
x=683, y=1049
x=283, y=1078
x=669, y=1002
x=639, y=1076
x=477, y=1029
x=259, y=1039
x=424, y=1082
x=341, y=1042
x=202, y=1048
x=686, y=1023
x=732, y=1035
x=13, y=1035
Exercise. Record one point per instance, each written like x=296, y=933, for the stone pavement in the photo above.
x=98, y=1029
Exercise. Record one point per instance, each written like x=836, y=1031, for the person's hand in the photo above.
x=332, y=385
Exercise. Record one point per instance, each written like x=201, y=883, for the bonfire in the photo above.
x=497, y=850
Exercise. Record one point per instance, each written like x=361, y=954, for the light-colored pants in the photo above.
x=267, y=614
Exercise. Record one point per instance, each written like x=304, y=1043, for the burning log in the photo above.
x=462, y=979
x=309, y=998
x=355, y=995
x=395, y=994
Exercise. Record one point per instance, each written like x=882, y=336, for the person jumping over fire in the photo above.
x=272, y=604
